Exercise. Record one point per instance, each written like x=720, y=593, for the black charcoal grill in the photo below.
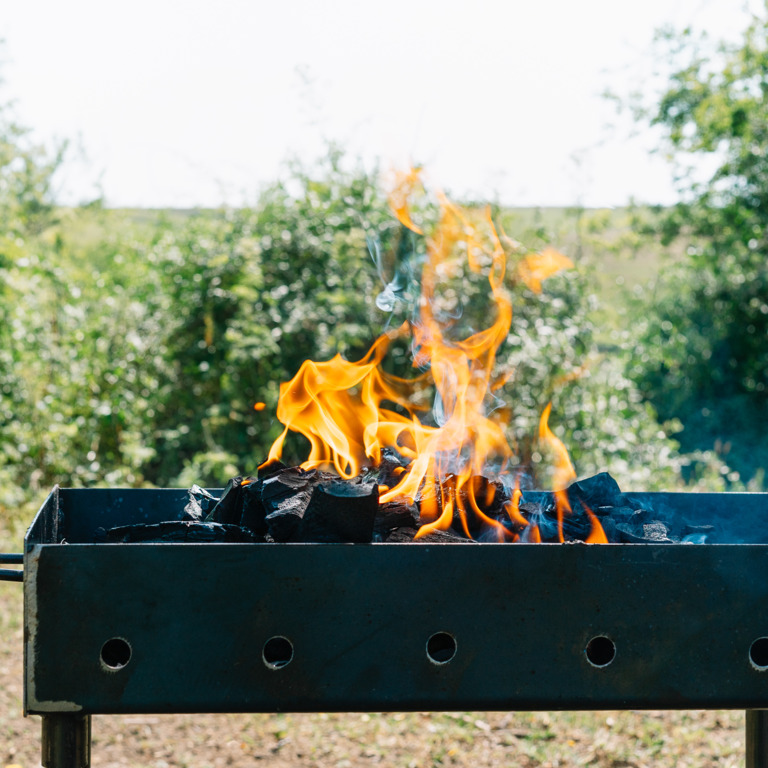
x=220, y=627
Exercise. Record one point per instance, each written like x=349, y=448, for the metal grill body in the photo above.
x=154, y=628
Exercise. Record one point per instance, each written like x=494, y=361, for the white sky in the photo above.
x=184, y=102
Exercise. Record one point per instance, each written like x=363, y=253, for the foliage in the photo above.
x=134, y=348
x=255, y=292
x=703, y=351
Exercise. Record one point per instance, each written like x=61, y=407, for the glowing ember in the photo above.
x=350, y=412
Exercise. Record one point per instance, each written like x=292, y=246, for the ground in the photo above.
x=465, y=739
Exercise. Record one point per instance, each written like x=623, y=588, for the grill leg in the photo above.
x=757, y=738
x=66, y=741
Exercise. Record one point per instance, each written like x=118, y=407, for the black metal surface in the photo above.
x=756, y=739
x=11, y=574
x=66, y=741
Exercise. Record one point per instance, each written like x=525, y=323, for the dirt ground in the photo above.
x=467, y=739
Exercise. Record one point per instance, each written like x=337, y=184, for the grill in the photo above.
x=215, y=627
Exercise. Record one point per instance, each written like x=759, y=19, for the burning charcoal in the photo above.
x=600, y=490
x=179, y=531
x=339, y=511
x=391, y=467
x=200, y=504
x=531, y=509
x=392, y=515
x=230, y=506
x=443, y=537
x=269, y=468
x=547, y=523
x=490, y=498
x=695, y=538
x=400, y=535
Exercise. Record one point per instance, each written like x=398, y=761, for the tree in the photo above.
x=703, y=350
x=254, y=293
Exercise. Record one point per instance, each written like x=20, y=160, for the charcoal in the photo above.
x=179, y=531
x=340, y=512
x=646, y=533
x=608, y=524
x=641, y=516
x=399, y=535
x=283, y=524
x=443, y=537
x=269, y=468
x=394, y=514
x=285, y=513
x=600, y=490
x=526, y=510
x=576, y=528
x=252, y=508
x=200, y=504
x=547, y=523
x=655, y=531
x=690, y=530
x=229, y=508
x=272, y=493
x=489, y=497
x=529, y=509
x=390, y=470
x=281, y=486
x=620, y=514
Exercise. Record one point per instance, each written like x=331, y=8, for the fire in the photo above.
x=564, y=474
x=350, y=412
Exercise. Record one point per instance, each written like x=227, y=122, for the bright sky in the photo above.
x=183, y=102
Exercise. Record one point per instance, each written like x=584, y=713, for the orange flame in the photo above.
x=563, y=475
x=345, y=408
x=536, y=267
x=399, y=197
x=597, y=534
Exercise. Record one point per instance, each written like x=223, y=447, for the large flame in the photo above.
x=351, y=411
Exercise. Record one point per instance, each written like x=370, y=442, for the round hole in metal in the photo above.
x=441, y=647
x=115, y=653
x=758, y=654
x=277, y=652
x=600, y=651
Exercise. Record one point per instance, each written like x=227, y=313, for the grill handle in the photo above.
x=10, y=574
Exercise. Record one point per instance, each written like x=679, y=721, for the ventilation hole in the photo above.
x=277, y=652
x=758, y=654
x=115, y=653
x=601, y=651
x=441, y=647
